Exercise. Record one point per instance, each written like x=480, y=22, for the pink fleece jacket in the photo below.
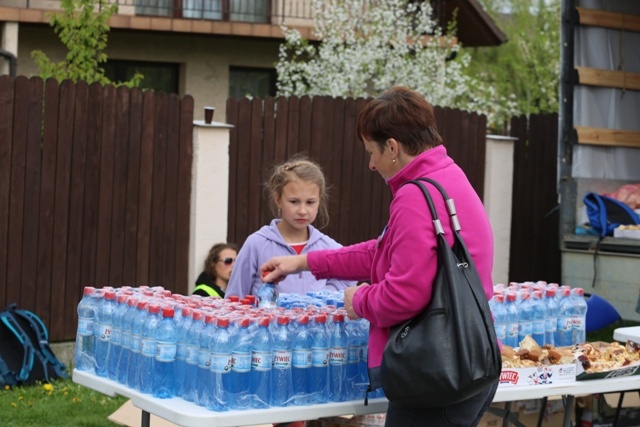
x=401, y=264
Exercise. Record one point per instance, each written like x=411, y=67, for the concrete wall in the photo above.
x=210, y=193
x=617, y=277
x=204, y=59
x=498, y=186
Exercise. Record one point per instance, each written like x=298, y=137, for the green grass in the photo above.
x=61, y=403
x=606, y=334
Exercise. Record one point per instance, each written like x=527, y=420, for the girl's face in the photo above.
x=224, y=265
x=299, y=203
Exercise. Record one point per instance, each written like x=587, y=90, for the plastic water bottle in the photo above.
x=105, y=328
x=239, y=385
x=261, y=365
x=204, y=381
x=148, y=346
x=360, y=336
x=136, y=343
x=166, y=341
x=98, y=299
x=115, y=345
x=338, y=359
x=552, y=316
x=301, y=361
x=499, y=311
x=181, y=349
x=83, y=354
x=125, y=353
x=281, y=382
x=221, y=361
x=511, y=333
x=579, y=316
x=193, y=354
x=539, y=318
x=267, y=296
x=564, y=331
x=319, y=389
x=361, y=387
x=353, y=358
x=525, y=316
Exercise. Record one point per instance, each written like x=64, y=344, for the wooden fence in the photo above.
x=535, y=247
x=95, y=184
x=268, y=131
x=94, y=190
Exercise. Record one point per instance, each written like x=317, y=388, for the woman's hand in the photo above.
x=348, y=300
x=277, y=268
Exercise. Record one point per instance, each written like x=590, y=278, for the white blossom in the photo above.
x=366, y=47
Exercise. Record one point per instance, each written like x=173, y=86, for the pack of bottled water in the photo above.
x=551, y=314
x=224, y=354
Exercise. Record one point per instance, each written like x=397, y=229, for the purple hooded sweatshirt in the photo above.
x=402, y=262
x=266, y=243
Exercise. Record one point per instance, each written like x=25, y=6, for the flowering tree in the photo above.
x=366, y=47
x=529, y=64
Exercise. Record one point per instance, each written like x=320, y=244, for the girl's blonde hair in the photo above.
x=298, y=168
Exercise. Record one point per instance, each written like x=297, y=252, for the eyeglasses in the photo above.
x=227, y=261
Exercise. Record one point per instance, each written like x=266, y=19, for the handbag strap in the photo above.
x=451, y=207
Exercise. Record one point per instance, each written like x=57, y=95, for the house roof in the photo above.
x=475, y=27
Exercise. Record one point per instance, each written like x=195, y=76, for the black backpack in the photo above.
x=25, y=354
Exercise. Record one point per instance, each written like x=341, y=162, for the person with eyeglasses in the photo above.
x=297, y=191
x=213, y=281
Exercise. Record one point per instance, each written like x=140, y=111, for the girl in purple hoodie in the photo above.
x=298, y=196
x=399, y=133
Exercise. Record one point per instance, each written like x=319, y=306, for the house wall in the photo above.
x=616, y=278
x=204, y=59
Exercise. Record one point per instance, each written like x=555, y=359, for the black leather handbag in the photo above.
x=450, y=351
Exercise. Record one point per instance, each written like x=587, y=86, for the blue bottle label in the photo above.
x=578, y=322
x=261, y=360
x=165, y=351
x=193, y=352
x=501, y=331
x=126, y=339
x=320, y=357
x=181, y=351
x=282, y=359
x=136, y=342
x=552, y=323
x=104, y=332
x=148, y=347
x=538, y=326
x=204, y=359
x=241, y=362
x=353, y=354
x=85, y=326
x=116, y=336
x=338, y=356
x=512, y=330
x=525, y=328
x=221, y=363
x=364, y=353
x=564, y=323
x=301, y=358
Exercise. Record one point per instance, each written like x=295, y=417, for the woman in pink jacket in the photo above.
x=399, y=133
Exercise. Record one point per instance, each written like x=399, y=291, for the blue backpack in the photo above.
x=606, y=213
x=25, y=354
